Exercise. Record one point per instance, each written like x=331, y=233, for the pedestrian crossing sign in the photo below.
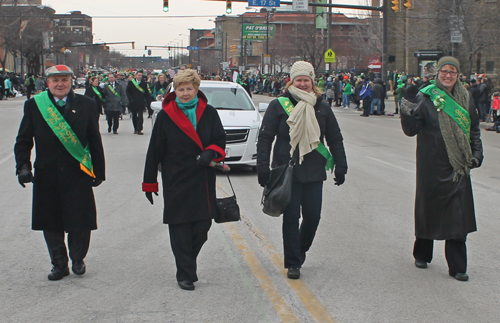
x=330, y=56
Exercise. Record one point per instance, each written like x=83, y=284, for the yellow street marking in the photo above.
x=258, y=271
x=306, y=296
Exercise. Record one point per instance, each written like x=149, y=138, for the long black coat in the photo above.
x=63, y=198
x=444, y=209
x=188, y=189
x=89, y=91
x=312, y=168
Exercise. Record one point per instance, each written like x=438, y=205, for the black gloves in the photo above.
x=97, y=182
x=205, y=157
x=411, y=93
x=339, y=178
x=24, y=175
x=149, y=196
x=263, y=177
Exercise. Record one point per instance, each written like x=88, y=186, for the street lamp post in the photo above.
x=181, y=49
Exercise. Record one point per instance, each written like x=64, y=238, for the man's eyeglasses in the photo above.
x=451, y=73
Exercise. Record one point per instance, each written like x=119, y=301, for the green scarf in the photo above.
x=189, y=109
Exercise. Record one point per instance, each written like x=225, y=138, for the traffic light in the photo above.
x=233, y=48
x=149, y=52
x=165, y=5
x=391, y=58
x=229, y=5
x=63, y=49
x=396, y=5
x=408, y=4
x=169, y=49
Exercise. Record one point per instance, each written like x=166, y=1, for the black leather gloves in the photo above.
x=97, y=182
x=205, y=157
x=263, y=178
x=24, y=175
x=339, y=178
x=411, y=93
x=149, y=196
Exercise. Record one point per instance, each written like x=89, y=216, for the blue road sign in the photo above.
x=263, y=3
x=193, y=48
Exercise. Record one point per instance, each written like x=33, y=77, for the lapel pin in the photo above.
x=73, y=111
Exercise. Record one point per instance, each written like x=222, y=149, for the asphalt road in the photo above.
x=359, y=269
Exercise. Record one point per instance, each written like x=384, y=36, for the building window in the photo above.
x=490, y=66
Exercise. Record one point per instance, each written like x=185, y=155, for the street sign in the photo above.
x=189, y=65
x=267, y=59
x=300, y=5
x=263, y=3
x=330, y=56
x=193, y=48
x=456, y=36
x=258, y=31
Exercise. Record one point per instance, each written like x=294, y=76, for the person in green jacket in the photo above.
x=321, y=85
x=346, y=93
x=399, y=94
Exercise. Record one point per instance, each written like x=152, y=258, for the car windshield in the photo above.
x=227, y=98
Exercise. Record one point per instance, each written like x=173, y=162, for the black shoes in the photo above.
x=78, y=267
x=186, y=285
x=115, y=132
x=57, y=273
x=293, y=273
x=420, y=264
x=463, y=277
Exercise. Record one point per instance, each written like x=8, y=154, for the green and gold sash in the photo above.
x=137, y=86
x=64, y=132
x=96, y=91
x=444, y=102
x=288, y=107
x=114, y=92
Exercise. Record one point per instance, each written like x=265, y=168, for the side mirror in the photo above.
x=263, y=107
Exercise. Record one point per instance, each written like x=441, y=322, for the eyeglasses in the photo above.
x=451, y=73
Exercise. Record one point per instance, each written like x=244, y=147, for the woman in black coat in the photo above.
x=94, y=91
x=292, y=134
x=446, y=151
x=187, y=136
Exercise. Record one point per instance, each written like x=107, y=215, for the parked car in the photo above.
x=240, y=118
x=80, y=82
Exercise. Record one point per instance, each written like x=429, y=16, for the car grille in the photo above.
x=236, y=135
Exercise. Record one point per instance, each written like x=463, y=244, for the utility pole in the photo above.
x=384, y=41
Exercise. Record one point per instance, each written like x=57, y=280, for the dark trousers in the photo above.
x=298, y=240
x=78, y=243
x=137, y=118
x=113, y=118
x=455, y=252
x=366, y=106
x=186, y=240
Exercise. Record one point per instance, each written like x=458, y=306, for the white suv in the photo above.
x=240, y=118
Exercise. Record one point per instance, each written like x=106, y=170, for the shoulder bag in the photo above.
x=227, y=208
x=278, y=191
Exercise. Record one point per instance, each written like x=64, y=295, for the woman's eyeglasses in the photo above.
x=451, y=73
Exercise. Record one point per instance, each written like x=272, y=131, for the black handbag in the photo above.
x=227, y=208
x=278, y=190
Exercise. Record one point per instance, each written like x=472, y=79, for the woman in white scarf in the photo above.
x=309, y=123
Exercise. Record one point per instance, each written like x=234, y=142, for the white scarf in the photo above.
x=304, y=127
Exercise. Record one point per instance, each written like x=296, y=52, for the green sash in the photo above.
x=288, y=107
x=137, y=86
x=161, y=91
x=149, y=89
x=114, y=92
x=64, y=132
x=96, y=91
x=444, y=102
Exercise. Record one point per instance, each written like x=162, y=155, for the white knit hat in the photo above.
x=302, y=68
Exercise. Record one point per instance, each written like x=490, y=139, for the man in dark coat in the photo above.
x=138, y=98
x=447, y=148
x=116, y=101
x=69, y=162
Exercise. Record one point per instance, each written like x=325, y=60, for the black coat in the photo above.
x=89, y=91
x=138, y=100
x=63, y=198
x=188, y=189
x=312, y=168
x=444, y=209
